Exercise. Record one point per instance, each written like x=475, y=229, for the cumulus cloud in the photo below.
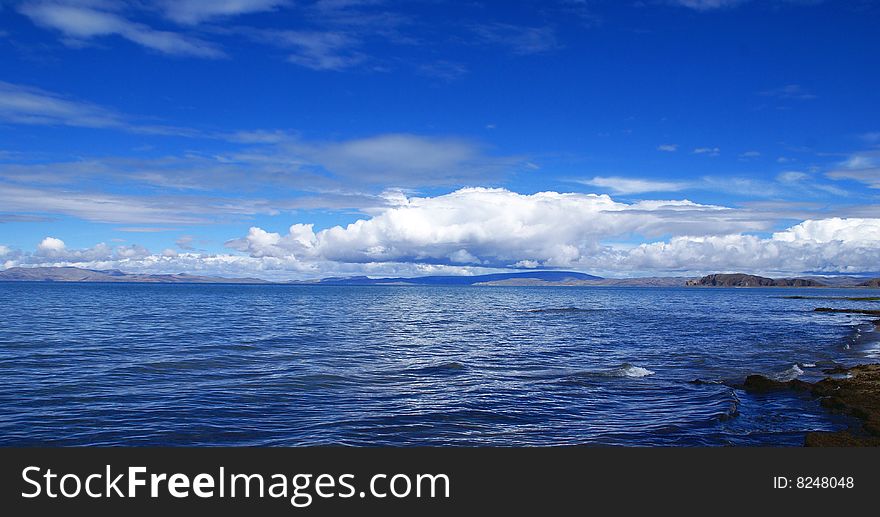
x=498, y=228
x=51, y=245
x=494, y=227
x=54, y=249
x=828, y=246
x=824, y=231
x=477, y=230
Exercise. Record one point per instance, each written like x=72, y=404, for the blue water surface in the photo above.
x=152, y=364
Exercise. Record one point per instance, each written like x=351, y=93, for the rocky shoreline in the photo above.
x=852, y=391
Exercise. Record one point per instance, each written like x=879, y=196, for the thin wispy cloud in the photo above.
x=863, y=167
x=318, y=50
x=872, y=137
x=21, y=104
x=191, y=12
x=792, y=176
x=81, y=22
x=518, y=39
x=790, y=92
x=708, y=151
x=669, y=148
x=707, y=5
x=27, y=105
x=619, y=185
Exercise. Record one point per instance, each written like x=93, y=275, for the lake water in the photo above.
x=149, y=364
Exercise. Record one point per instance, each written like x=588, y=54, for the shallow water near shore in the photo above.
x=148, y=364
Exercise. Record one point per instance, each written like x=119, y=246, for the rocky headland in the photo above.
x=854, y=391
x=744, y=280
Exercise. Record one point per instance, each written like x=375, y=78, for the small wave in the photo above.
x=449, y=368
x=562, y=309
x=789, y=375
x=590, y=376
x=808, y=365
x=630, y=370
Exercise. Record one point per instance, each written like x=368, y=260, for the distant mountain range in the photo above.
x=75, y=274
x=596, y=281
x=491, y=279
x=519, y=278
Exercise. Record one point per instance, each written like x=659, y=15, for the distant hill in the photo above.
x=606, y=282
x=75, y=274
x=545, y=276
x=518, y=278
x=743, y=280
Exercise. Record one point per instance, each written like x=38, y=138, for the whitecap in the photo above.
x=792, y=373
x=631, y=370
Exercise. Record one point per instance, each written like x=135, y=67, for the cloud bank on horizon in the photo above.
x=498, y=229
x=322, y=138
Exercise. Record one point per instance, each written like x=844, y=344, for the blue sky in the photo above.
x=245, y=136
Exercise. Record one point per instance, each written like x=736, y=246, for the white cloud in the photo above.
x=51, y=245
x=25, y=105
x=669, y=148
x=404, y=159
x=748, y=253
x=863, y=167
x=708, y=5
x=708, y=151
x=824, y=231
x=114, y=208
x=320, y=50
x=20, y=104
x=494, y=227
x=197, y=11
x=278, y=173
x=618, y=185
x=499, y=228
x=792, y=176
x=871, y=137
x=52, y=248
x=475, y=230
x=790, y=92
x=80, y=21
x=520, y=40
